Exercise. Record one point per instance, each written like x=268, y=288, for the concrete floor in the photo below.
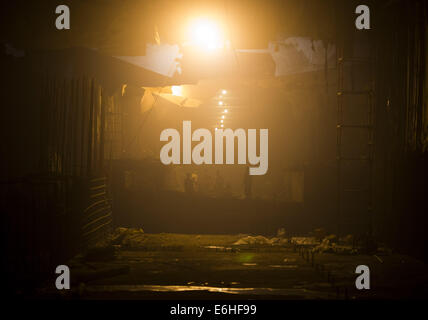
x=181, y=266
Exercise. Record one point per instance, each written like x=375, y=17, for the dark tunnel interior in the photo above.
x=263, y=154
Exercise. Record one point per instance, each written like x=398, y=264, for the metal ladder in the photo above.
x=354, y=200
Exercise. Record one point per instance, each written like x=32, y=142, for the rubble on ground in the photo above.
x=128, y=237
x=281, y=233
x=220, y=248
x=260, y=240
x=136, y=238
x=327, y=246
x=319, y=234
x=307, y=241
x=331, y=238
x=257, y=240
x=349, y=239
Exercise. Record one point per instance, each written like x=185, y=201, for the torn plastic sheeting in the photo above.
x=179, y=100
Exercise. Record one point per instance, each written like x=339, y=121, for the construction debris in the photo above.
x=281, y=233
x=261, y=240
x=307, y=241
x=331, y=238
x=328, y=246
x=221, y=248
x=128, y=237
x=319, y=234
x=257, y=240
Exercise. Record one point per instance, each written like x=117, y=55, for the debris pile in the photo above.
x=128, y=237
x=281, y=233
x=260, y=240
x=327, y=246
x=220, y=248
x=319, y=234
x=304, y=241
x=250, y=240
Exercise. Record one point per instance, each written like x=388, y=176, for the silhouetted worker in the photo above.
x=248, y=184
x=205, y=181
x=188, y=184
x=228, y=190
x=219, y=184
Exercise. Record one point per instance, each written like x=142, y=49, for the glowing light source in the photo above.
x=225, y=110
x=205, y=34
x=223, y=91
x=221, y=120
x=221, y=126
x=220, y=103
x=222, y=116
x=176, y=90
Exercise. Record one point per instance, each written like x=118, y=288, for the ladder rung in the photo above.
x=354, y=158
x=340, y=93
x=355, y=190
x=365, y=126
x=356, y=60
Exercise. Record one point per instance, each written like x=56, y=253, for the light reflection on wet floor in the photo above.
x=303, y=293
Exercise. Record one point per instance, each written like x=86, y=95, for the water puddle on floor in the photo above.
x=298, y=292
x=284, y=266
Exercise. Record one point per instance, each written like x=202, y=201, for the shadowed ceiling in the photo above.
x=123, y=27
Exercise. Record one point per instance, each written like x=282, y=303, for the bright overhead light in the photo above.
x=221, y=120
x=225, y=110
x=220, y=103
x=223, y=91
x=221, y=126
x=222, y=116
x=205, y=34
x=176, y=90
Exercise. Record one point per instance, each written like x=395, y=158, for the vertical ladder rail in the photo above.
x=342, y=127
